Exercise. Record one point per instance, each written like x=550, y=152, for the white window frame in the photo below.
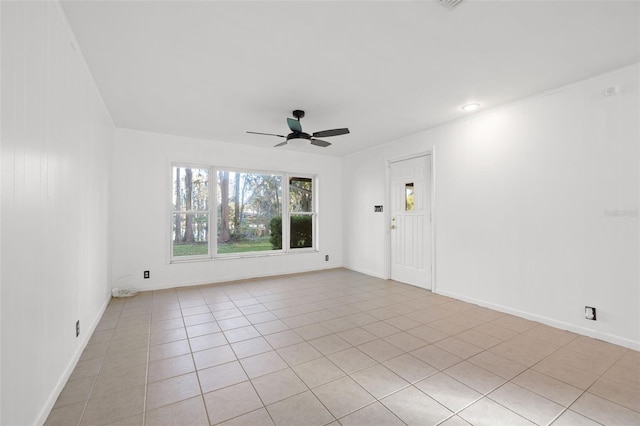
x=172, y=211
x=313, y=214
x=213, y=214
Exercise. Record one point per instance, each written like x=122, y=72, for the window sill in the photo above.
x=190, y=259
x=245, y=256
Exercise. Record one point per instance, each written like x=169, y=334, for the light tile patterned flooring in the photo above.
x=339, y=347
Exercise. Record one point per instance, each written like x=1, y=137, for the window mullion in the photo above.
x=213, y=224
x=213, y=211
x=286, y=214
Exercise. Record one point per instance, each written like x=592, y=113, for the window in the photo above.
x=191, y=214
x=249, y=207
x=252, y=214
x=301, y=212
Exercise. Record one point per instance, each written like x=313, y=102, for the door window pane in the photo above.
x=408, y=197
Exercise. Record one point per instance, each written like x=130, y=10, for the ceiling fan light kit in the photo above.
x=297, y=135
x=295, y=141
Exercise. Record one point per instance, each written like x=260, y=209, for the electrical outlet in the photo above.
x=326, y=257
x=590, y=313
x=146, y=274
x=77, y=328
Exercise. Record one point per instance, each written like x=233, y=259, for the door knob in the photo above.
x=393, y=227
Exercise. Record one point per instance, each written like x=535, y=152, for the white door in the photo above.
x=410, y=182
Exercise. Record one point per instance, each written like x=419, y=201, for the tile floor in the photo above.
x=341, y=348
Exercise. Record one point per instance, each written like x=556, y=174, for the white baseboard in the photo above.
x=365, y=271
x=237, y=278
x=611, y=338
x=46, y=410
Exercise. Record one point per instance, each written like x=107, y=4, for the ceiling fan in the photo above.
x=297, y=133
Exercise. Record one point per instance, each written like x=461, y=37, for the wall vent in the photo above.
x=450, y=4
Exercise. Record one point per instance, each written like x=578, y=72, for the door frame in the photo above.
x=431, y=153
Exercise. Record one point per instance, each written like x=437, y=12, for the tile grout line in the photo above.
x=530, y=368
x=486, y=395
x=314, y=303
x=250, y=380
x=376, y=400
x=592, y=384
x=237, y=360
x=193, y=359
x=146, y=376
x=84, y=409
x=290, y=367
x=241, y=366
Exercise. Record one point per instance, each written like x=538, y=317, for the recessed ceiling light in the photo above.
x=470, y=107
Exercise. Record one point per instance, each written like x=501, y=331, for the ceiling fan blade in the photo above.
x=318, y=142
x=332, y=132
x=294, y=125
x=280, y=144
x=267, y=134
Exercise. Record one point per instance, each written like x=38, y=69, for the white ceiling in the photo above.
x=385, y=69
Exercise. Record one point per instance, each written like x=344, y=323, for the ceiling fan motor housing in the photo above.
x=298, y=135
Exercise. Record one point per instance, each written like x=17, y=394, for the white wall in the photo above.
x=142, y=202
x=56, y=142
x=523, y=200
